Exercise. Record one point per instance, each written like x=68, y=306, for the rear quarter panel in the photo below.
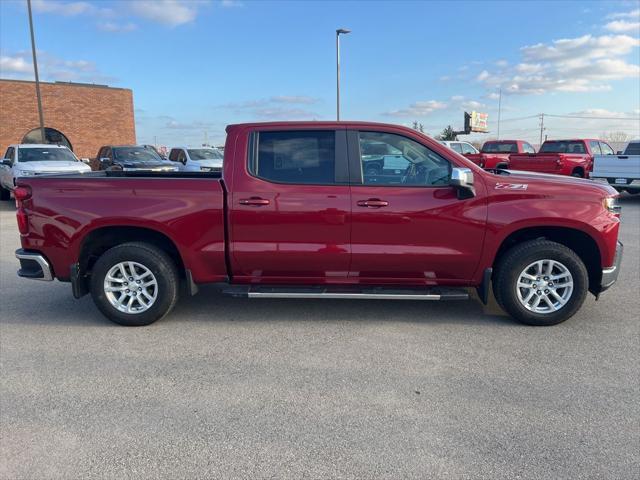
x=189, y=211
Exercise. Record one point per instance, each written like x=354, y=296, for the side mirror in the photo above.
x=7, y=162
x=462, y=181
x=85, y=160
x=105, y=161
x=619, y=152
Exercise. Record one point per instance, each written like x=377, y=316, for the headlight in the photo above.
x=612, y=205
x=24, y=173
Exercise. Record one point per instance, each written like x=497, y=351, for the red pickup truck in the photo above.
x=495, y=153
x=562, y=157
x=294, y=215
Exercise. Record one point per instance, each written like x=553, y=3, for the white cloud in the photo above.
x=502, y=63
x=582, y=64
x=117, y=27
x=295, y=99
x=51, y=68
x=63, y=8
x=14, y=65
x=631, y=14
x=484, y=75
x=168, y=12
x=419, y=109
x=619, y=26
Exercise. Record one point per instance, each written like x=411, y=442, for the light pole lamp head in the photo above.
x=343, y=31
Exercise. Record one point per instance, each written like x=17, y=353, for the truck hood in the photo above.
x=53, y=166
x=526, y=181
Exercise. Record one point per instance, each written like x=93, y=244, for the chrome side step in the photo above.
x=334, y=293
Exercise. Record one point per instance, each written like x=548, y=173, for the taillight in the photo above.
x=23, y=221
x=21, y=194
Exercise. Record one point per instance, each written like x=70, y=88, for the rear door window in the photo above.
x=456, y=147
x=606, y=149
x=299, y=157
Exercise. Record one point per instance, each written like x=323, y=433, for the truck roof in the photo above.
x=322, y=124
x=38, y=145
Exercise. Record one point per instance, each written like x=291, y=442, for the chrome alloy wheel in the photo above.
x=130, y=287
x=544, y=286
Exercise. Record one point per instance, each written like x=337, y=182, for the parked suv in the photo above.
x=132, y=157
x=26, y=160
x=200, y=159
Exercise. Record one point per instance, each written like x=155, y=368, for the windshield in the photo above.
x=135, y=154
x=562, y=146
x=500, y=147
x=204, y=154
x=44, y=154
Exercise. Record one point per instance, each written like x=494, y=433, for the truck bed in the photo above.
x=66, y=211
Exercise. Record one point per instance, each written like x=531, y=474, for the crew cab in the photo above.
x=621, y=171
x=562, y=157
x=132, y=158
x=294, y=215
x=30, y=159
x=495, y=153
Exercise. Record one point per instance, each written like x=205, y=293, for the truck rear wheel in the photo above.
x=540, y=282
x=134, y=284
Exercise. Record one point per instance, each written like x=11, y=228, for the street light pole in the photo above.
x=339, y=31
x=35, y=70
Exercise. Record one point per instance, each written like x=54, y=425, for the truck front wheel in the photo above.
x=134, y=284
x=540, y=282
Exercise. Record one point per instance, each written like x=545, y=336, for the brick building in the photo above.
x=84, y=116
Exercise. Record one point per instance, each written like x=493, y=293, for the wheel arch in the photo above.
x=577, y=240
x=101, y=239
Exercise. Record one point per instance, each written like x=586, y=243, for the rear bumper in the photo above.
x=33, y=266
x=610, y=275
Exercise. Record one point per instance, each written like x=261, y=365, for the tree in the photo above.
x=616, y=137
x=448, y=134
x=418, y=126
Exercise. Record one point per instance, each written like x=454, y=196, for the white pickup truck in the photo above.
x=31, y=159
x=622, y=172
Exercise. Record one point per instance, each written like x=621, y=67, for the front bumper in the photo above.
x=33, y=266
x=610, y=275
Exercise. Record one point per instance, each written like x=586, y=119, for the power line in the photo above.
x=592, y=118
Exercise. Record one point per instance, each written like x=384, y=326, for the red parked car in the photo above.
x=495, y=153
x=562, y=157
x=293, y=214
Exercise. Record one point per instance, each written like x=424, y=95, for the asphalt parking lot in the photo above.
x=231, y=388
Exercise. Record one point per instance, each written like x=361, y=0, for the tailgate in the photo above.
x=616, y=166
x=535, y=162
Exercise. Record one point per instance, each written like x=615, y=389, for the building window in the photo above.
x=51, y=135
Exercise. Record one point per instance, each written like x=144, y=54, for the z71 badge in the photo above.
x=511, y=186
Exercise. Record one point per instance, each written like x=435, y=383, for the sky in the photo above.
x=196, y=66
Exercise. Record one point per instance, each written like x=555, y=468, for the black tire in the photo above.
x=502, y=166
x=4, y=194
x=578, y=173
x=155, y=260
x=514, y=261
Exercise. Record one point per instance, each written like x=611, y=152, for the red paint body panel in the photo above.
x=316, y=234
x=556, y=163
x=63, y=211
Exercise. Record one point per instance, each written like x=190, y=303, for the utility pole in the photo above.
x=339, y=31
x=35, y=70
x=499, y=110
x=541, y=128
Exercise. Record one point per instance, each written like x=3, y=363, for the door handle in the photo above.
x=373, y=203
x=254, y=201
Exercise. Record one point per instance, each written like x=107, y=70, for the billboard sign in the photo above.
x=479, y=122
